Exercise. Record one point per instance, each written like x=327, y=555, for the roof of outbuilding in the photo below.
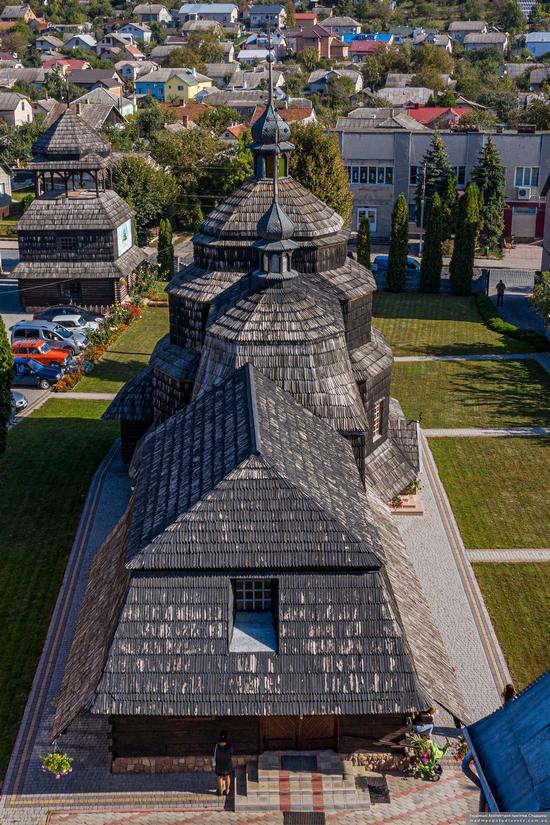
x=70, y=138
x=9, y=101
x=81, y=208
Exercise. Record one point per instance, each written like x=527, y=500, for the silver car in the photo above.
x=51, y=332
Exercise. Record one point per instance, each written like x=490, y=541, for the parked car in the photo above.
x=380, y=264
x=18, y=401
x=44, y=353
x=48, y=331
x=75, y=323
x=29, y=373
x=69, y=309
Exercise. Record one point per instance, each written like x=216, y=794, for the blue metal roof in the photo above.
x=380, y=37
x=512, y=751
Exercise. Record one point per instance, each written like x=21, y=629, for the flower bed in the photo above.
x=100, y=340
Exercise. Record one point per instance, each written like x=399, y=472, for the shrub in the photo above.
x=493, y=320
x=57, y=763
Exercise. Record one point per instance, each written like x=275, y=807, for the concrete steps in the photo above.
x=265, y=786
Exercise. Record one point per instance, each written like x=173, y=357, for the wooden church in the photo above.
x=76, y=240
x=257, y=581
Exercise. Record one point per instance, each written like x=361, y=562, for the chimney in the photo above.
x=194, y=72
x=79, y=108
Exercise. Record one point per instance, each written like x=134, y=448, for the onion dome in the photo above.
x=271, y=130
x=275, y=225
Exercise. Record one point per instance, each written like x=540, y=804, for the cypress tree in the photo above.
x=438, y=171
x=165, y=254
x=397, y=258
x=467, y=228
x=6, y=378
x=489, y=177
x=449, y=208
x=363, y=242
x=432, y=255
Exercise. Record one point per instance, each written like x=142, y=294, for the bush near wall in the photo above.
x=493, y=320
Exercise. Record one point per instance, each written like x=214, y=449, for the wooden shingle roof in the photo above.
x=81, y=209
x=246, y=479
x=134, y=401
x=71, y=138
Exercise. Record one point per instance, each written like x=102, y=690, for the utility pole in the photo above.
x=422, y=201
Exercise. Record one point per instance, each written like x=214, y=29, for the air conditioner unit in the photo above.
x=524, y=193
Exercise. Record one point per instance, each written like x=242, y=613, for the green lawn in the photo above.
x=498, y=489
x=473, y=393
x=129, y=353
x=518, y=599
x=418, y=324
x=44, y=477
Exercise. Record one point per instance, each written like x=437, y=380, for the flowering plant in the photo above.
x=426, y=758
x=459, y=749
x=56, y=763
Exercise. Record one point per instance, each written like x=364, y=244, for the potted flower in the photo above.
x=459, y=749
x=426, y=758
x=57, y=764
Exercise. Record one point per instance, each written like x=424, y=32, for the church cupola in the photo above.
x=270, y=137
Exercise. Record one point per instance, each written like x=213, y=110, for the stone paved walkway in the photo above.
x=86, y=396
x=484, y=432
x=542, y=358
x=438, y=555
x=512, y=555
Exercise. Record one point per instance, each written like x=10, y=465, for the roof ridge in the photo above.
x=254, y=414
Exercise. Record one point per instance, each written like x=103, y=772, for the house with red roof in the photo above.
x=292, y=114
x=438, y=117
x=64, y=65
x=359, y=50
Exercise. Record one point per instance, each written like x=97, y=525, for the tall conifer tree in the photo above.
x=397, y=258
x=434, y=173
x=432, y=255
x=489, y=177
x=449, y=206
x=363, y=242
x=467, y=228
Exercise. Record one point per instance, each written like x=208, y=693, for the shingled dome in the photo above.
x=271, y=130
x=71, y=138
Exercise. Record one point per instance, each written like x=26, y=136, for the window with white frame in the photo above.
x=527, y=176
x=378, y=418
x=253, y=594
x=369, y=214
x=371, y=175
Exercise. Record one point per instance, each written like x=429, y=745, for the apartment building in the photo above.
x=382, y=162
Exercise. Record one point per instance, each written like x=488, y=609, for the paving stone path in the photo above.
x=484, y=432
x=542, y=358
x=519, y=555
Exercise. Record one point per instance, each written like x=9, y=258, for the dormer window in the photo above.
x=253, y=629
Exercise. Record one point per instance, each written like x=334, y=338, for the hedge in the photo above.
x=493, y=320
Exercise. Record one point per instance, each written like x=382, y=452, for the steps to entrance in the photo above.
x=304, y=781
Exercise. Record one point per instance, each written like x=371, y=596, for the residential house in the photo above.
x=5, y=190
x=255, y=78
x=442, y=41
x=153, y=13
x=538, y=43
x=11, y=77
x=116, y=45
x=489, y=40
x=244, y=102
x=17, y=14
x=382, y=162
x=516, y=71
x=458, y=29
x=438, y=117
x=324, y=44
x=259, y=40
x=130, y=70
x=305, y=18
x=15, y=109
x=100, y=96
x=222, y=13
x=202, y=26
x=87, y=42
x=64, y=65
x=538, y=78
x=360, y=50
x=252, y=56
x=403, y=79
x=290, y=114
x=43, y=106
x=173, y=85
x=233, y=133
x=261, y=16
x=221, y=73
x=405, y=96
x=140, y=32
x=187, y=114
x=341, y=25
x=228, y=51
x=89, y=79
x=161, y=52
x=317, y=81
x=386, y=38
x=47, y=43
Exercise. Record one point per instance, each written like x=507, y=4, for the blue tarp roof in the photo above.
x=512, y=750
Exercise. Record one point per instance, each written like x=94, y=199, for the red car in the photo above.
x=43, y=352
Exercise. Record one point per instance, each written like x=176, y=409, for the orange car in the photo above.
x=43, y=351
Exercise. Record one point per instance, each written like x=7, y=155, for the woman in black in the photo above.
x=223, y=764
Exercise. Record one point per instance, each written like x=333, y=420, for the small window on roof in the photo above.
x=253, y=618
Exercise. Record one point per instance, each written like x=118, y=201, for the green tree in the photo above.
x=397, y=258
x=434, y=173
x=467, y=227
x=6, y=377
x=479, y=118
x=540, y=298
x=432, y=254
x=147, y=189
x=16, y=143
x=151, y=118
x=489, y=177
x=363, y=242
x=165, y=254
x=218, y=118
x=26, y=201
x=449, y=207
x=317, y=164
x=507, y=15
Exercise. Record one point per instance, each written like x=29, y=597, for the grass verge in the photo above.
x=45, y=474
x=518, y=600
x=417, y=324
x=129, y=354
x=473, y=393
x=498, y=489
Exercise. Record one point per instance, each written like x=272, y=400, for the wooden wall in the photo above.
x=130, y=434
x=38, y=293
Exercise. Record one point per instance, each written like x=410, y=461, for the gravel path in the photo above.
x=484, y=432
x=513, y=555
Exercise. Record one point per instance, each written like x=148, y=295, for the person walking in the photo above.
x=223, y=764
x=501, y=286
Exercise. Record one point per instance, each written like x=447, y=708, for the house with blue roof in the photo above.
x=379, y=37
x=511, y=752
